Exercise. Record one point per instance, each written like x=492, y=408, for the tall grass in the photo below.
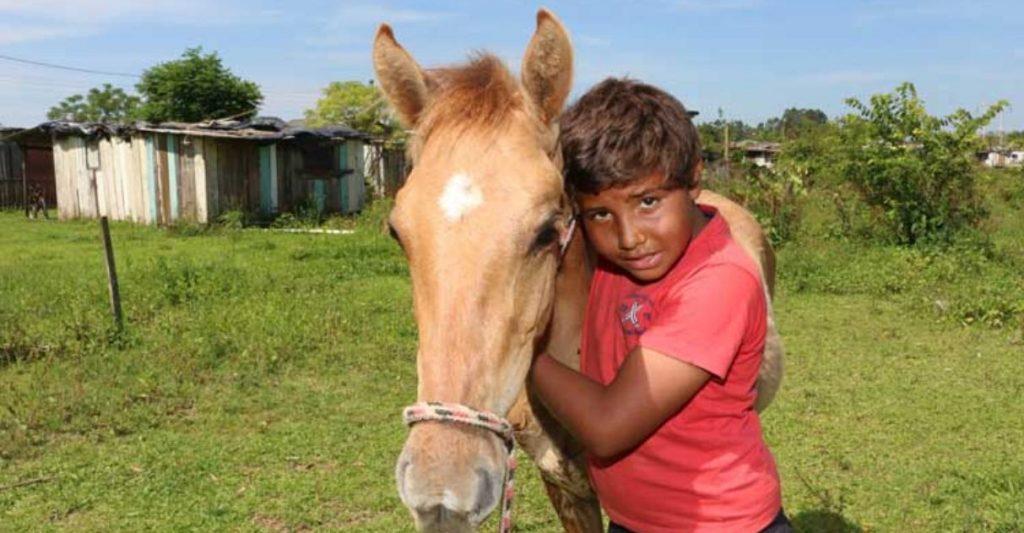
x=259, y=377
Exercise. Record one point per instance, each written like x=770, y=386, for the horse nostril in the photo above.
x=486, y=494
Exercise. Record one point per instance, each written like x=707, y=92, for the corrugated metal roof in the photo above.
x=757, y=146
x=258, y=129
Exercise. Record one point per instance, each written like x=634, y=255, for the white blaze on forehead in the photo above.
x=460, y=196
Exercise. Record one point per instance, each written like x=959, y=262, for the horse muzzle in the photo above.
x=451, y=476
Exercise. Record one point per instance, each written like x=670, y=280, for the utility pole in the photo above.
x=1002, y=132
x=728, y=163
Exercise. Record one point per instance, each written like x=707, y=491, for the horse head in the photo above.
x=480, y=219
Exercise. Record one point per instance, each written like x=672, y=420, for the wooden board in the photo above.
x=173, y=177
x=213, y=178
x=163, y=194
x=202, y=189
x=187, y=179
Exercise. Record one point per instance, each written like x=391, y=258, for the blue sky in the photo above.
x=752, y=58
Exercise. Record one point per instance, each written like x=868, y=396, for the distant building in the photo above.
x=162, y=173
x=761, y=153
x=1001, y=157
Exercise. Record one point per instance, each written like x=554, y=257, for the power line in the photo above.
x=65, y=67
x=292, y=96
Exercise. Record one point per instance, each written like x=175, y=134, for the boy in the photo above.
x=674, y=329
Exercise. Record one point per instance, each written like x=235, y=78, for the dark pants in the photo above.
x=779, y=525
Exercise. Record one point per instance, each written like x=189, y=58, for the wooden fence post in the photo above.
x=115, y=294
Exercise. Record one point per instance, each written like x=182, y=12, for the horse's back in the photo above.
x=746, y=232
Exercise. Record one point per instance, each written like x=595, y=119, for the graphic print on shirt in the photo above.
x=635, y=313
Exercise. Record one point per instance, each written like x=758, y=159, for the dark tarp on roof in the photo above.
x=259, y=128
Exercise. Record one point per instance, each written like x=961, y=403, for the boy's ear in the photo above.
x=695, y=179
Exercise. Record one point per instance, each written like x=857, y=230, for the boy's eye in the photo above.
x=649, y=201
x=599, y=215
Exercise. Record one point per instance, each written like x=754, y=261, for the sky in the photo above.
x=750, y=58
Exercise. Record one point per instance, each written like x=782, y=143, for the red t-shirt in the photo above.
x=707, y=468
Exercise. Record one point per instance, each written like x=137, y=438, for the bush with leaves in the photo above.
x=773, y=195
x=103, y=104
x=194, y=88
x=916, y=170
x=359, y=106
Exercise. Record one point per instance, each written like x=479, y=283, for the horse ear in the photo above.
x=547, y=66
x=401, y=78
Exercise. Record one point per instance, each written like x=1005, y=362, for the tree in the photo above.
x=196, y=87
x=106, y=104
x=797, y=121
x=793, y=123
x=916, y=169
x=357, y=105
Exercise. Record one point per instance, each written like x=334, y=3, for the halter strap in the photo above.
x=563, y=244
x=457, y=413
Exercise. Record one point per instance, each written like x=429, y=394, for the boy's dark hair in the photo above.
x=622, y=130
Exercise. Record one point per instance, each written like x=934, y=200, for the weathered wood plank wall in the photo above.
x=10, y=175
x=161, y=178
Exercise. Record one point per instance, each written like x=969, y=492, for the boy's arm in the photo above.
x=609, y=420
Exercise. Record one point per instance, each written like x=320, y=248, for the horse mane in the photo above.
x=479, y=95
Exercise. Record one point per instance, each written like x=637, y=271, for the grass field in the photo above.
x=259, y=381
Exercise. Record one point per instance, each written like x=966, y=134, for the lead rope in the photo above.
x=453, y=412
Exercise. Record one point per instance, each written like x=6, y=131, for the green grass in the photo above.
x=259, y=381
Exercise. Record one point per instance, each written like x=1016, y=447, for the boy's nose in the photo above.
x=629, y=236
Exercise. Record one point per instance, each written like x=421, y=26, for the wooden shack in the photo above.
x=161, y=174
x=25, y=153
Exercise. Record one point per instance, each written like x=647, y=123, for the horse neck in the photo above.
x=572, y=285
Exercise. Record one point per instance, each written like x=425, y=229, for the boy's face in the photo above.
x=643, y=227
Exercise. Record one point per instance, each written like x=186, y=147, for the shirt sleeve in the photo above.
x=703, y=321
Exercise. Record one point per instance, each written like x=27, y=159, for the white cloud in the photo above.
x=12, y=34
x=837, y=77
x=355, y=23
x=369, y=15
x=717, y=5
x=40, y=20
x=889, y=10
x=95, y=10
x=591, y=40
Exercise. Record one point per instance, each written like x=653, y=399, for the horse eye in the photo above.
x=546, y=236
x=394, y=234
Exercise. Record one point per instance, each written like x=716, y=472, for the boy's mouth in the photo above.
x=642, y=262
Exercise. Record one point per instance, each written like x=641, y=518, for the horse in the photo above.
x=487, y=229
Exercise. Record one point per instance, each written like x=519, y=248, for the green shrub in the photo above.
x=854, y=218
x=375, y=215
x=286, y=220
x=233, y=219
x=916, y=169
x=184, y=228
x=773, y=195
x=307, y=211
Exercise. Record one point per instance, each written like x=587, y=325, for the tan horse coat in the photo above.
x=488, y=293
